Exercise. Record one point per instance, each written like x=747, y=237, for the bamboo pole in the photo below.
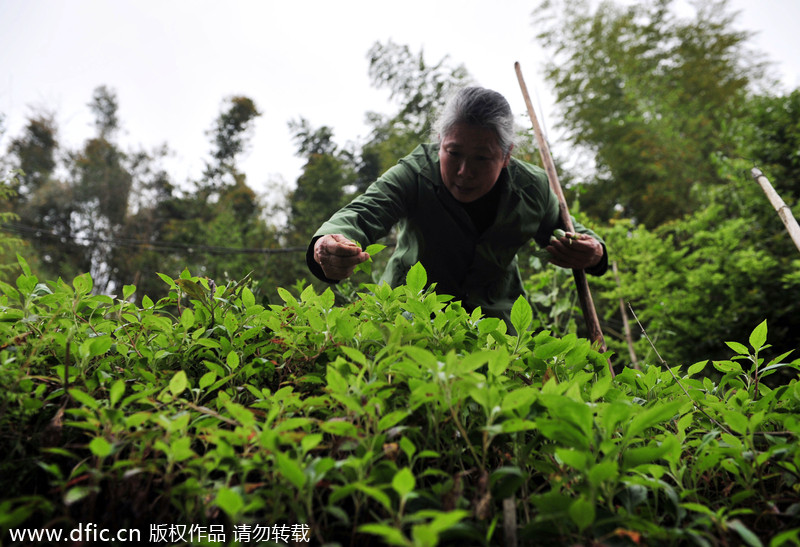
x=780, y=207
x=582, y=285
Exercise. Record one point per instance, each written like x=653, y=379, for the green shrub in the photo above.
x=396, y=419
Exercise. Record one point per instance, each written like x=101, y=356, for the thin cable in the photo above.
x=159, y=246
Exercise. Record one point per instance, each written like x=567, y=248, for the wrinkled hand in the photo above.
x=577, y=254
x=338, y=256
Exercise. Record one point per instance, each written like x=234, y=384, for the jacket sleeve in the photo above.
x=552, y=220
x=370, y=216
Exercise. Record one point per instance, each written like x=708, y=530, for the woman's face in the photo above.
x=471, y=161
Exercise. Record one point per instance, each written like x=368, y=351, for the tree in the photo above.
x=35, y=153
x=9, y=244
x=229, y=138
x=322, y=187
x=101, y=183
x=771, y=139
x=650, y=94
x=215, y=230
x=420, y=89
x=104, y=106
x=44, y=203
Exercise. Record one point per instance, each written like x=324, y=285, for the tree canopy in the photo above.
x=651, y=94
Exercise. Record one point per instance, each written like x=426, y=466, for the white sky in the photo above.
x=173, y=62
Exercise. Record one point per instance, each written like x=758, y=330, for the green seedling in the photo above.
x=371, y=250
x=399, y=416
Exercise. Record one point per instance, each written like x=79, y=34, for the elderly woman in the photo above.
x=463, y=208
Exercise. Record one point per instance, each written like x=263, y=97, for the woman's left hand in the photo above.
x=575, y=251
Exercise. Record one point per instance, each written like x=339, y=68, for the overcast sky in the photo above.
x=173, y=62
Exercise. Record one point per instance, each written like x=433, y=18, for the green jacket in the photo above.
x=480, y=269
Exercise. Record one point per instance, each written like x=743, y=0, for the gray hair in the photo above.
x=480, y=107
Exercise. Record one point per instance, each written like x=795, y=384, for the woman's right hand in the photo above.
x=338, y=256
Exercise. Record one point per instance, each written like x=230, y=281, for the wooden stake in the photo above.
x=780, y=207
x=582, y=285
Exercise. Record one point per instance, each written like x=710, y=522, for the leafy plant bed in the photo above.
x=396, y=419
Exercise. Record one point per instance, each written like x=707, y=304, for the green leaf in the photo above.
x=26, y=269
x=339, y=428
x=127, y=291
x=187, y=318
x=759, y=336
x=416, y=278
x=649, y=417
x=287, y=297
x=391, y=419
x=505, y=481
x=310, y=441
x=444, y=521
x=404, y=482
x=178, y=383
x=354, y=355
x=233, y=360
x=488, y=324
x=515, y=425
x=229, y=501
x=248, y=299
x=180, y=449
x=207, y=379
x=336, y=382
x=84, y=398
x=423, y=535
x=551, y=348
x=698, y=367
x=736, y=421
x=100, y=345
x=522, y=397
x=582, y=511
x=790, y=537
x=574, y=458
x=375, y=493
x=600, y=387
x=117, y=390
x=521, y=314
x=100, y=447
x=741, y=349
x=727, y=366
x=166, y=279
x=374, y=249
x=389, y=534
x=77, y=493
x=291, y=470
x=575, y=358
x=408, y=447
x=240, y=413
x=633, y=457
x=194, y=290
x=603, y=471
x=698, y=508
x=83, y=283
x=7, y=289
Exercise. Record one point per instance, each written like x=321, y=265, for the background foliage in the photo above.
x=397, y=419
x=673, y=113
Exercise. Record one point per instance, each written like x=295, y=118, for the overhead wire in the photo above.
x=158, y=246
